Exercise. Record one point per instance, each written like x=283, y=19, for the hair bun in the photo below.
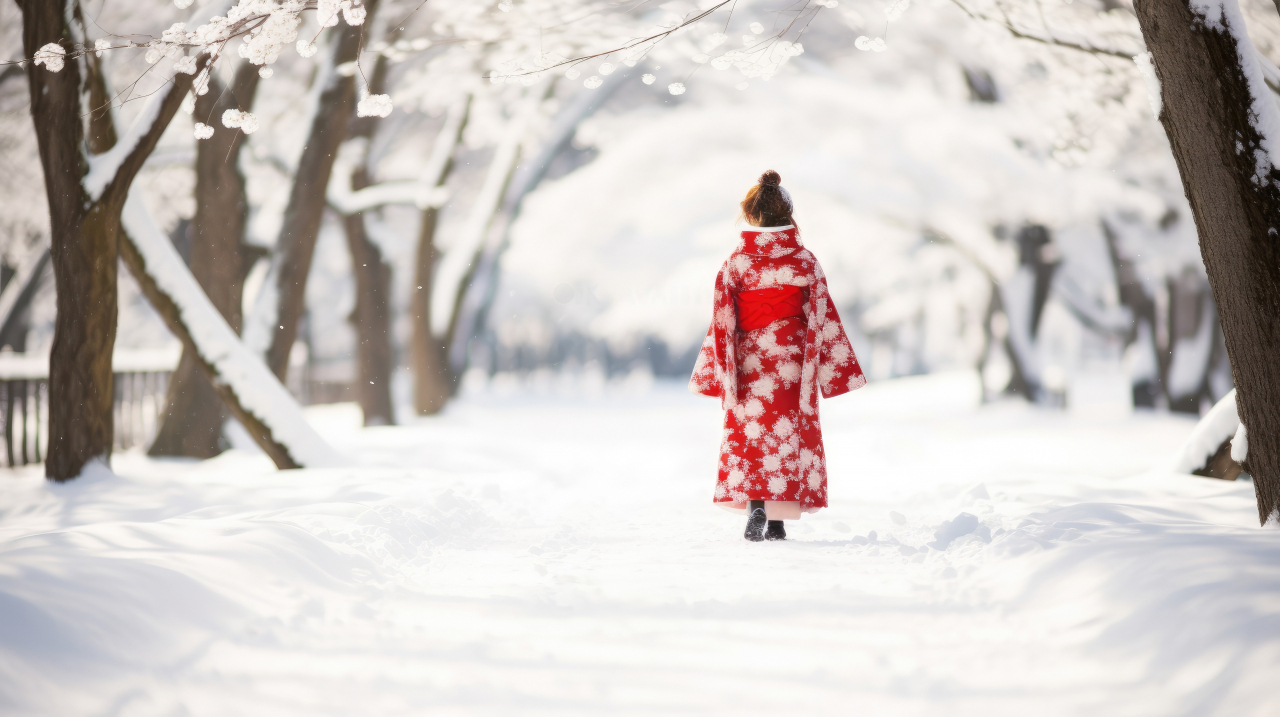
x=770, y=179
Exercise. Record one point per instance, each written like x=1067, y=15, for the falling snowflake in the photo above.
x=52, y=56
x=676, y=88
x=756, y=27
x=648, y=79
x=606, y=68
x=592, y=82
x=572, y=74
x=203, y=131
x=374, y=106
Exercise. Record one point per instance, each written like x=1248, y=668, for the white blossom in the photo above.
x=200, y=85
x=354, y=14
x=700, y=58
x=374, y=106
x=185, y=65
x=740, y=86
x=237, y=118
x=183, y=4
x=573, y=74
x=896, y=8
x=592, y=82
x=648, y=79
x=52, y=56
x=189, y=103
x=756, y=27
x=606, y=68
x=306, y=49
x=203, y=131
x=867, y=44
x=99, y=45
x=717, y=39
x=676, y=88
x=265, y=72
x=505, y=6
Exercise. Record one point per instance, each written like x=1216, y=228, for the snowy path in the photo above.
x=541, y=555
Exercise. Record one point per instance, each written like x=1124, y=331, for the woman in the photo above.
x=775, y=342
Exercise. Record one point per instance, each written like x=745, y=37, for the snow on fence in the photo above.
x=141, y=382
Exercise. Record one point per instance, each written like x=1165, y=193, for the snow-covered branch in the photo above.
x=254, y=395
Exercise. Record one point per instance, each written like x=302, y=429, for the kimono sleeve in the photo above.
x=838, y=369
x=715, y=373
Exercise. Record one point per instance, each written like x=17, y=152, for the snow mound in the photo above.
x=1218, y=425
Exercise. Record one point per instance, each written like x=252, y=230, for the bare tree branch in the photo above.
x=1007, y=24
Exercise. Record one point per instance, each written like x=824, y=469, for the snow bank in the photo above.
x=1219, y=424
x=258, y=390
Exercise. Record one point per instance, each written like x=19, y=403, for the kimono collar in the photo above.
x=772, y=242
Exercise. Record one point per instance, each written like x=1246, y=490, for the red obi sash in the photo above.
x=760, y=307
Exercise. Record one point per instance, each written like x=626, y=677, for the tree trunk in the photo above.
x=433, y=380
x=296, y=245
x=371, y=316
x=1207, y=106
x=194, y=413
x=84, y=256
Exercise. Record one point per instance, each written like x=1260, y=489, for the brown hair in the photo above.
x=768, y=204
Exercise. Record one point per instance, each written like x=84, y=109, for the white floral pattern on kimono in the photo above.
x=769, y=379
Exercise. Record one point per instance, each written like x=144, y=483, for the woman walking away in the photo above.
x=775, y=341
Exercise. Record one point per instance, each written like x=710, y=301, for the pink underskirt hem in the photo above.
x=773, y=509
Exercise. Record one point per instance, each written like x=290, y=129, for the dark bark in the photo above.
x=84, y=264
x=1206, y=114
x=194, y=413
x=371, y=316
x=303, y=214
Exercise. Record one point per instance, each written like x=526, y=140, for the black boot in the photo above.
x=776, y=531
x=755, y=521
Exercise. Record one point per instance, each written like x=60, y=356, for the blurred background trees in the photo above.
x=987, y=186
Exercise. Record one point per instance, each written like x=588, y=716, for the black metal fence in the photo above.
x=141, y=382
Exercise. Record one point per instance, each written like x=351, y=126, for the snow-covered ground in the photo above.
x=551, y=551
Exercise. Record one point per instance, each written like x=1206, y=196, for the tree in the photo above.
x=276, y=318
x=193, y=416
x=371, y=316
x=96, y=219
x=1223, y=124
x=85, y=203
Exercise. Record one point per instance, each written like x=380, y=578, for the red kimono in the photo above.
x=766, y=377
